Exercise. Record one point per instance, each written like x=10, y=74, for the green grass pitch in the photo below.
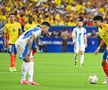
x=54, y=71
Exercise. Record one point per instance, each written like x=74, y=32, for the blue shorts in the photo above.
x=12, y=49
x=105, y=55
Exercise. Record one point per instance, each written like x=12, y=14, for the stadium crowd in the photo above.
x=57, y=12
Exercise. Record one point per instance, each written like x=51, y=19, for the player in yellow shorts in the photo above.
x=103, y=33
x=11, y=33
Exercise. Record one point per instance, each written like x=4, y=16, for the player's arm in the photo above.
x=26, y=27
x=20, y=29
x=85, y=38
x=73, y=36
x=5, y=39
x=29, y=42
x=100, y=45
x=105, y=25
x=5, y=35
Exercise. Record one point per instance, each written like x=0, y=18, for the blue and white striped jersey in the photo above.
x=26, y=35
x=79, y=36
x=21, y=43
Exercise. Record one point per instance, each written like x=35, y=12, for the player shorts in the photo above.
x=22, y=51
x=105, y=55
x=12, y=48
x=78, y=49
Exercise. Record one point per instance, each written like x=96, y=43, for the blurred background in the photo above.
x=61, y=14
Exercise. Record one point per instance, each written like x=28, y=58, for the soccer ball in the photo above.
x=93, y=79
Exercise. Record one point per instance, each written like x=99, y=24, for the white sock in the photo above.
x=24, y=70
x=30, y=71
x=81, y=59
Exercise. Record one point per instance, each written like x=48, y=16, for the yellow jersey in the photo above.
x=12, y=30
x=28, y=26
x=103, y=33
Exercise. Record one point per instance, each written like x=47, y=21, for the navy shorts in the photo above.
x=12, y=48
x=105, y=55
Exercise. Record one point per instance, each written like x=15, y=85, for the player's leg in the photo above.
x=75, y=58
x=21, y=51
x=82, y=50
x=105, y=65
x=82, y=58
x=24, y=73
x=15, y=52
x=12, y=57
x=30, y=68
x=63, y=45
x=31, y=71
x=76, y=50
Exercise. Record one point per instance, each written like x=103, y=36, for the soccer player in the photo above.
x=80, y=41
x=11, y=33
x=103, y=33
x=30, y=23
x=24, y=45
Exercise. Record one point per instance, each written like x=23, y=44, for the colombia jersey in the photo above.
x=13, y=31
x=103, y=33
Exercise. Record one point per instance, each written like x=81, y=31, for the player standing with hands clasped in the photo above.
x=24, y=46
x=80, y=41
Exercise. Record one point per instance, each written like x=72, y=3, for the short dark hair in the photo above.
x=46, y=23
x=11, y=14
x=98, y=17
x=80, y=19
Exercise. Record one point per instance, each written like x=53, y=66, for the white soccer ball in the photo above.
x=93, y=79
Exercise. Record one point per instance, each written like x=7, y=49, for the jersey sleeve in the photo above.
x=37, y=33
x=26, y=27
x=73, y=33
x=5, y=29
x=85, y=31
x=100, y=32
x=19, y=25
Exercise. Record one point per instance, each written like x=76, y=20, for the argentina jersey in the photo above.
x=21, y=43
x=79, y=35
x=36, y=31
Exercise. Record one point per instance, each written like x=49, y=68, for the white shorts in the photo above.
x=78, y=49
x=22, y=51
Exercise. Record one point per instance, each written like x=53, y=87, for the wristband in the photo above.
x=98, y=48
